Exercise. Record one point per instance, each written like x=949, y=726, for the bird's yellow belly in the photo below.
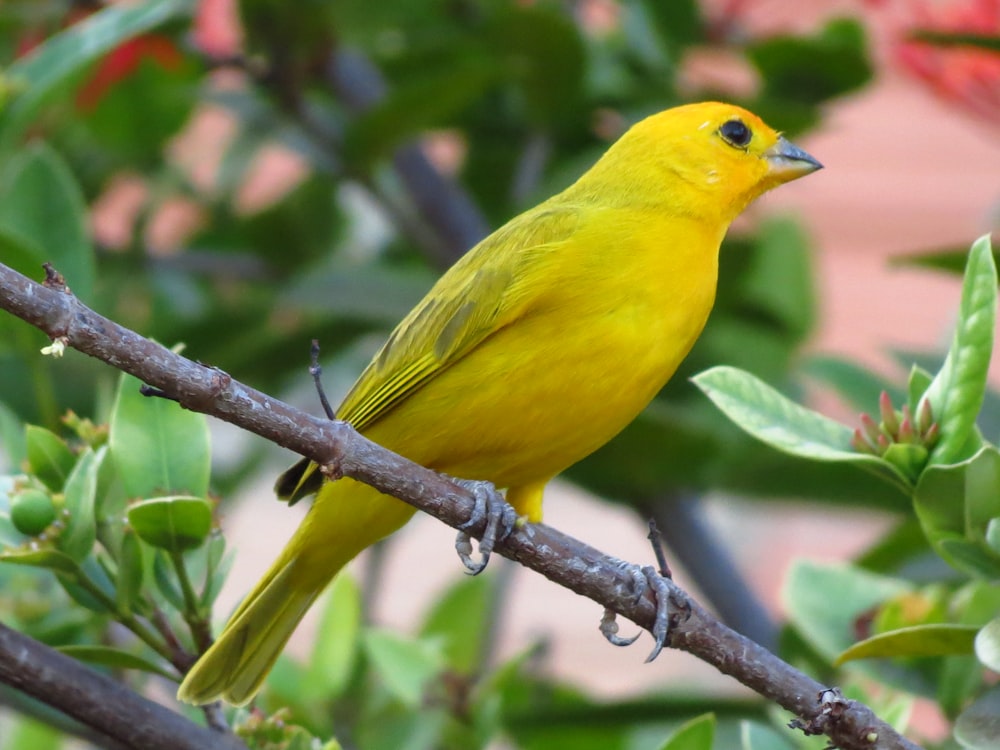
x=540, y=395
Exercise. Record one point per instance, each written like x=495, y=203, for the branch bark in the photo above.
x=98, y=701
x=560, y=558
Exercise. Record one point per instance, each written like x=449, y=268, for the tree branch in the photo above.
x=560, y=558
x=98, y=701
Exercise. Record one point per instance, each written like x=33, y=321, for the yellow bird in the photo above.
x=532, y=351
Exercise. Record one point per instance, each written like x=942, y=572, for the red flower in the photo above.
x=966, y=75
x=122, y=61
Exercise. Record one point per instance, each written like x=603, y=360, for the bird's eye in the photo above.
x=736, y=133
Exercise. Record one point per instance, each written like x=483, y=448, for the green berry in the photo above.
x=31, y=511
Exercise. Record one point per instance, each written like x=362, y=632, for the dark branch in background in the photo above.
x=99, y=702
x=564, y=560
x=456, y=221
x=690, y=538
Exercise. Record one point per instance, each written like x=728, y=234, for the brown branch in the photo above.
x=560, y=558
x=98, y=701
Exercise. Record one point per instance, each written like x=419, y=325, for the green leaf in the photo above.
x=40, y=199
x=77, y=539
x=754, y=736
x=50, y=559
x=336, y=649
x=955, y=504
x=989, y=42
x=696, y=734
x=677, y=23
x=217, y=565
x=175, y=524
x=13, y=443
x=117, y=658
x=770, y=417
x=778, y=281
x=951, y=259
x=22, y=731
x=460, y=621
x=49, y=458
x=978, y=727
x=131, y=573
x=919, y=640
x=43, y=73
x=164, y=577
x=988, y=645
x=812, y=69
x=956, y=394
x=405, y=666
x=824, y=602
x=158, y=447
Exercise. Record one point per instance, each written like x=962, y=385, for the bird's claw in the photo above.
x=661, y=595
x=501, y=518
x=643, y=579
x=609, y=629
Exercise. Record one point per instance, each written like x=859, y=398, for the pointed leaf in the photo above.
x=164, y=577
x=42, y=558
x=49, y=458
x=754, y=736
x=175, y=524
x=405, y=666
x=77, y=539
x=459, y=619
x=158, y=447
x=131, y=573
x=919, y=640
x=336, y=649
x=13, y=446
x=695, y=734
x=824, y=601
x=117, y=658
x=956, y=394
x=764, y=413
x=41, y=74
x=40, y=199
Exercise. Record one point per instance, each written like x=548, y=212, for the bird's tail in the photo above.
x=345, y=518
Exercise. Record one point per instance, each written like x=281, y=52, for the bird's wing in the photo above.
x=478, y=296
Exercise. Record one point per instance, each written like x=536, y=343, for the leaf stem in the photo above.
x=193, y=615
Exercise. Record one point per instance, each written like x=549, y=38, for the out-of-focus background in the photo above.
x=258, y=174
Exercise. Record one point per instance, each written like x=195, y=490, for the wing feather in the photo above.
x=479, y=295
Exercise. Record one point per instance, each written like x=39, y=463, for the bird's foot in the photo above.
x=500, y=516
x=643, y=579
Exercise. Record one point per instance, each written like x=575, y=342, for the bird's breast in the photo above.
x=540, y=394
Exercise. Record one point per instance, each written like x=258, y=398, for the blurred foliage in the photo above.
x=246, y=199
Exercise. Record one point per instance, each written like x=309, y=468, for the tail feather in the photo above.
x=236, y=665
x=346, y=518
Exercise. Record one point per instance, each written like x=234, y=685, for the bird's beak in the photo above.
x=786, y=161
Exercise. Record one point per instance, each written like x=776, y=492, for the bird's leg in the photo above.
x=500, y=516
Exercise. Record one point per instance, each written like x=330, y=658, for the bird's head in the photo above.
x=708, y=157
